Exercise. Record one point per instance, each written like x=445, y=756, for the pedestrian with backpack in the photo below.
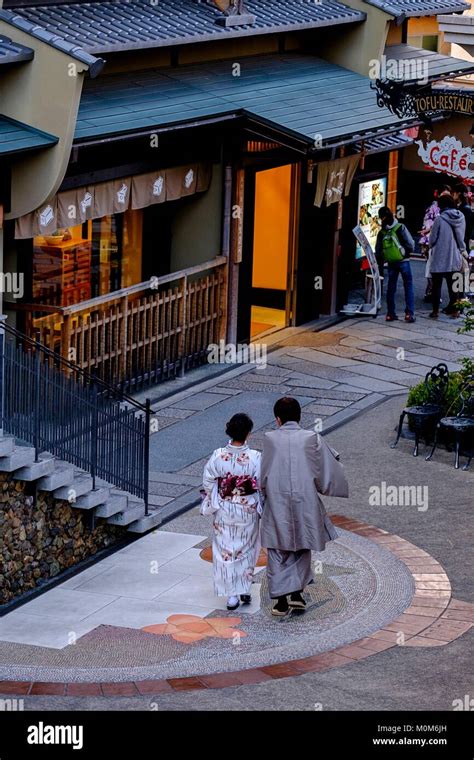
x=395, y=245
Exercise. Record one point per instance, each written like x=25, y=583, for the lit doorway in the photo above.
x=271, y=249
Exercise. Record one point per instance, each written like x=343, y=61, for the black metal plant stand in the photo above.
x=461, y=426
x=425, y=417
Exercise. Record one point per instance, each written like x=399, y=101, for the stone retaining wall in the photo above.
x=40, y=540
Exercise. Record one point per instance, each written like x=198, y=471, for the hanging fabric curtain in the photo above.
x=335, y=179
x=74, y=207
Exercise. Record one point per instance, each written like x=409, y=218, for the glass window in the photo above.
x=89, y=260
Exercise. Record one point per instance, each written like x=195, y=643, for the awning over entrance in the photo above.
x=424, y=62
x=16, y=137
x=301, y=96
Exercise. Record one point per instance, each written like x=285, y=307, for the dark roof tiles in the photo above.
x=402, y=9
x=114, y=25
x=51, y=37
x=16, y=137
x=13, y=52
x=300, y=95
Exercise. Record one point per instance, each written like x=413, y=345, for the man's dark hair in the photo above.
x=239, y=427
x=446, y=201
x=386, y=215
x=287, y=409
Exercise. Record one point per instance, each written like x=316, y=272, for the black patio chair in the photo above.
x=425, y=417
x=461, y=426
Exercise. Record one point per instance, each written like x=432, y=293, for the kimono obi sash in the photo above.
x=236, y=485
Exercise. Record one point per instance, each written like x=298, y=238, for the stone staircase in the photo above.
x=66, y=482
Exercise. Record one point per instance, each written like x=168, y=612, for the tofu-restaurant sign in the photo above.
x=449, y=156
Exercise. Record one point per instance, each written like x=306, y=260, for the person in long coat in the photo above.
x=296, y=466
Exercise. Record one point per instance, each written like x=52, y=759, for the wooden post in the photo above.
x=123, y=340
x=182, y=320
x=235, y=256
x=66, y=340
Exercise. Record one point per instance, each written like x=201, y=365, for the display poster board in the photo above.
x=372, y=308
x=372, y=196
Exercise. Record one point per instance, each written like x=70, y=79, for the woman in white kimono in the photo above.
x=231, y=493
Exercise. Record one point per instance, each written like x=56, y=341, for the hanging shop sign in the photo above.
x=410, y=99
x=449, y=156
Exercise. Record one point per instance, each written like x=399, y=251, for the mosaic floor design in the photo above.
x=361, y=587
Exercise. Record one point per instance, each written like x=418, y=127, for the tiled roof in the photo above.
x=101, y=27
x=403, y=9
x=300, y=95
x=12, y=52
x=437, y=65
x=16, y=137
x=54, y=39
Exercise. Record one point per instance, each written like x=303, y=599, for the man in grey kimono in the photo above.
x=296, y=465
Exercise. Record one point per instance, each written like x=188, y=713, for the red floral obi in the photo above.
x=236, y=485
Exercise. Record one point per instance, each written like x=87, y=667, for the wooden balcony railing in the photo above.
x=142, y=334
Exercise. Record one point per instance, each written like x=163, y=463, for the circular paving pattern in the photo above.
x=433, y=618
x=359, y=586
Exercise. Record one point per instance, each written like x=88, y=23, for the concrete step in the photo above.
x=7, y=446
x=63, y=475
x=22, y=456
x=145, y=523
x=92, y=499
x=114, y=505
x=80, y=485
x=45, y=466
x=131, y=514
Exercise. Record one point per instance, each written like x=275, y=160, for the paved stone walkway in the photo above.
x=335, y=374
x=352, y=379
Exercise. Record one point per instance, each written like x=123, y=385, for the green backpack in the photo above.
x=392, y=250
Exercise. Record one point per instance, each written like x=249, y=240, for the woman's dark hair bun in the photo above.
x=239, y=426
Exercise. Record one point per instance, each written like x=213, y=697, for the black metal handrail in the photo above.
x=59, y=408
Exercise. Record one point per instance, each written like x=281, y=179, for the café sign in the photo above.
x=449, y=156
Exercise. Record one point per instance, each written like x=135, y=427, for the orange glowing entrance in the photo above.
x=271, y=249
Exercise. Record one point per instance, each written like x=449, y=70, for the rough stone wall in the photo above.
x=39, y=541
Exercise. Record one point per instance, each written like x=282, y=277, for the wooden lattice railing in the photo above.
x=141, y=334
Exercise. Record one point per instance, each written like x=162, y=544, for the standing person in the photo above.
x=231, y=492
x=296, y=465
x=395, y=245
x=446, y=243
x=428, y=220
x=463, y=205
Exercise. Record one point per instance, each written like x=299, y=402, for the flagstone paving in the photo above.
x=388, y=625
x=359, y=363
